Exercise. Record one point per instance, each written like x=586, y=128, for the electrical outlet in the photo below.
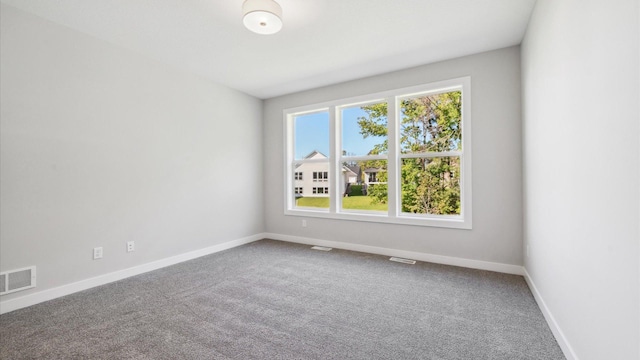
x=131, y=246
x=97, y=253
x=304, y=223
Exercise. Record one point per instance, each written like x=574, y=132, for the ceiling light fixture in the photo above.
x=262, y=16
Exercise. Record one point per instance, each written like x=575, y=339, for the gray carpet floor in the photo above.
x=275, y=300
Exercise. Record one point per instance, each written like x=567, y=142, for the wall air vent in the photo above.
x=401, y=260
x=322, y=248
x=16, y=280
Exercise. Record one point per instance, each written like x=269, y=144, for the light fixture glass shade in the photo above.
x=262, y=16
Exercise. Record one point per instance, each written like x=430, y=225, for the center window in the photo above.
x=401, y=156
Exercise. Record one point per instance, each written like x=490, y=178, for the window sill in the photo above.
x=452, y=222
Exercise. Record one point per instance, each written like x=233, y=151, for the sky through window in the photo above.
x=312, y=133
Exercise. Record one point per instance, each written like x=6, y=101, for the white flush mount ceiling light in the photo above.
x=262, y=16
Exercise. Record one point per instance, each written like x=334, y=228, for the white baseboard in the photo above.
x=50, y=294
x=553, y=325
x=438, y=259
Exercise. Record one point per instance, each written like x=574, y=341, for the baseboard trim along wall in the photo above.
x=50, y=294
x=553, y=325
x=438, y=259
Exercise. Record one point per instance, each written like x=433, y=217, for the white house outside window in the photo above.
x=400, y=156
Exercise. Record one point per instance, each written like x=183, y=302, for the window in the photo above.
x=307, y=150
x=430, y=151
x=298, y=190
x=298, y=176
x=409, y=150
x=320, y=176
x=364, y=146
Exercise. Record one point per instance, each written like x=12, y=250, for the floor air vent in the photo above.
x=322, y=248
x=16, y=280
x=401, y=260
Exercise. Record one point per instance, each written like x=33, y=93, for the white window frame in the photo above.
x=394, y=158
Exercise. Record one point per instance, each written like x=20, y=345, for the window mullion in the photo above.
x=334, y=160
x=363, y=158
x=393, y=174
x=431, y=154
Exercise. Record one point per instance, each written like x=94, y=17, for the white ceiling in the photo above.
x=322, y=42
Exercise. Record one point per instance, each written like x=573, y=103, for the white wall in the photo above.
x=497, y=181
x=581, y=163
x=100, y=146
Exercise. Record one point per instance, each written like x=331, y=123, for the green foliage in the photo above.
x=428, y=124
x=431, y=186
x=355, y=190
x=431, y=123
x=378, y=193
x=375, y=124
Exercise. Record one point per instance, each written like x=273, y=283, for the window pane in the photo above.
x=431, y=185
x=364, y=186
x=311, y=135
x=364, y=130
x=431, y=123
x=311, y=185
